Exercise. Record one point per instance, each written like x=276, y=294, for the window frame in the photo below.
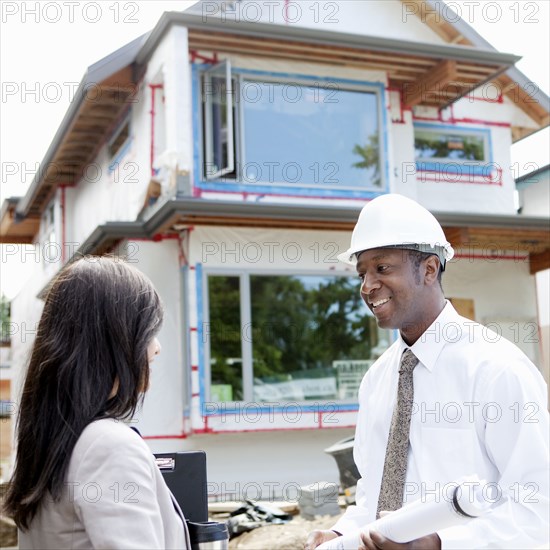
x=116, y=156
x=247, y=344
x=207, y=74
x=454, y=166
x=48, y=224
x=237, y=184
x=49, y=232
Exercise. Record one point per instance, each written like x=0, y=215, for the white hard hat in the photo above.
x=396, y=221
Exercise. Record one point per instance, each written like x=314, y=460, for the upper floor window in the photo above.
x=50, y=247
x=48, y=221
x=119, y=142
x=446, y=148
x=266, y=131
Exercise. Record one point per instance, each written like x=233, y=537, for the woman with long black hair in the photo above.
x=83, y=478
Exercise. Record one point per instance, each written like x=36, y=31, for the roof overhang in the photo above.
x=524, y=235
x=426, y=74
x=16, y=231
x=512, y=84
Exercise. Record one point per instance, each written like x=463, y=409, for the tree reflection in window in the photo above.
x=437, y=145
x=370, y=159
x=301, y=325
x=302, y=329
x=224, y=333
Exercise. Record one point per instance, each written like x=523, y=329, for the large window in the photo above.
x=275, y=338
x=291, y=133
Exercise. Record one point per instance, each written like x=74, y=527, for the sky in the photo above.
x=45, y=48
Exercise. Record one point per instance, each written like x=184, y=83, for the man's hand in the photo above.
x=316, y=538
x=375, y=541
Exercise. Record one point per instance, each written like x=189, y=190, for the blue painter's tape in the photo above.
x=319, y=407
x=200, y=348
x=187, y=347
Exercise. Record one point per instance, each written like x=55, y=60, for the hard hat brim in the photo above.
x=444, y=253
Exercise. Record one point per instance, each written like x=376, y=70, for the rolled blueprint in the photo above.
x=423, y=516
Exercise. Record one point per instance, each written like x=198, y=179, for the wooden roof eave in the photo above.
x=513, y=83
x=14, y=230
x=93, y=119
x=431, y=75
x=108, y=82
x=528, y=237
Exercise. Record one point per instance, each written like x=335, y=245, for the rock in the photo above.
x=319, y=499
x=290, y=536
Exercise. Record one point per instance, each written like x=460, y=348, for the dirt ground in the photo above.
x=289, y=536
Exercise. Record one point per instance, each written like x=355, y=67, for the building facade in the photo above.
x=227, y=154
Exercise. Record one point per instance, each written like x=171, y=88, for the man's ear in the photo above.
x=431, y=269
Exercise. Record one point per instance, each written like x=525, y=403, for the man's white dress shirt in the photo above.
x=480, y=407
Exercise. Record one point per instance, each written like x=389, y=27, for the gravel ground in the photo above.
x=289, y=536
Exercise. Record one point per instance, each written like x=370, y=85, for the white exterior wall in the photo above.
x=119, y=195
x=163, y=407
x=534, y=199
x=543, y=296
x=534, y=195
x=449, y=193
x=267, y=465
x=504, y=294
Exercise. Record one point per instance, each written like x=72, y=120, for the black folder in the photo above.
x=185, y=475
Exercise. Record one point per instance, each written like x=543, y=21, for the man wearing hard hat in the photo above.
x=447, y=400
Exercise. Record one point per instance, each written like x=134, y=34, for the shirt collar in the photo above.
x=428, y=347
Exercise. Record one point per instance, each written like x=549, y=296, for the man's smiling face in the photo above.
x=393, y=288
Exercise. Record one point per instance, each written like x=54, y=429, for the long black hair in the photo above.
x=89, y=361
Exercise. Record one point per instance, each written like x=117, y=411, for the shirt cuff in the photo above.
x=456, y=538
x=348, y=523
